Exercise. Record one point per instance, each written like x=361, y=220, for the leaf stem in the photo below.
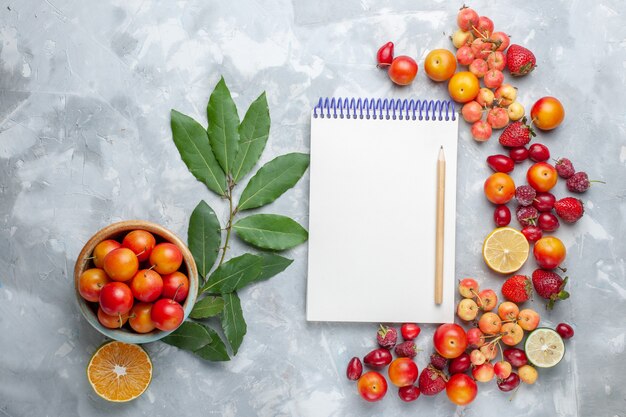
x=231, y=215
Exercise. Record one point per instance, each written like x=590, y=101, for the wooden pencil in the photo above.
x=441, y=188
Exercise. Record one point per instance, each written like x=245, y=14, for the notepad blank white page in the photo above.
x=372, y=220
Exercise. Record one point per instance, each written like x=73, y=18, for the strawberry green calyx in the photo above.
x=561, y=295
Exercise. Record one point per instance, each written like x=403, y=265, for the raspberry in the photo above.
x=564, y=168
x=527, y=215
x=578, y=183
x=406, y=349
x=438, y=361
x=525, y=194
x=387, y=336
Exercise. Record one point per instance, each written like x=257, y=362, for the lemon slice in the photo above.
x=544, y=348
x=119, y=372
x=505, y=250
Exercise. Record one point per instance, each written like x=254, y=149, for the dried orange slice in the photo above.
x=119, y=372
x=505, y=250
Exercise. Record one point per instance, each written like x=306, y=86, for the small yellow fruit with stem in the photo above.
x=516, y=111
x=527, y=374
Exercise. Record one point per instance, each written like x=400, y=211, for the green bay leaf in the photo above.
x=273, y=265
x=223, y=125
x=189, y=336
x=234, y=274
x=192, y=143
x=214, y=351
x=204, y=237
x=270, y=231
x=207, y=307
x=253, y=133
x=233, y=323
x=273, y=179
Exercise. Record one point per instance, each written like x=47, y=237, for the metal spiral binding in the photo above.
x=376, y=108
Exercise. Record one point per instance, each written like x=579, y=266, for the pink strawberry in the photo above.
x=387, y=336
x=438, y=361
x=549, y=285
x=516, y=134
x=518, y=288
x=569, y=209
x=432, y=381
x=406, y=349
x=519, y=60
x=527, y=215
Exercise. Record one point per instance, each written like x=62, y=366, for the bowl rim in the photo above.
x=108, y=232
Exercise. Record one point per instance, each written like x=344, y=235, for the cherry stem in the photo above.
x=480, y=300
x=482, y=35
x=176, y=292
x=514, y=392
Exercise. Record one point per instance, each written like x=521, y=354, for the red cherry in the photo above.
x=547, y=222
x=515, y=357
x=167, y=314
x=500, y=163
x=409, y=393
x=565, y=330
x=116, y=298
x=410, y=331
x=544, y=201
x=385, y=55
x=502, y=215
x=532, y=233
x=538, y=152
x=509, y=383
x=460, y=364
x=518, y=154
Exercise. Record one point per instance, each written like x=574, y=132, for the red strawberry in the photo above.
x=406, y=349
x=387, y=336
x=549, y=285
x=519, y=60
x=516, y=134
x=518, y=288
x=438, y=361
x=432, y=381
x=569, y=209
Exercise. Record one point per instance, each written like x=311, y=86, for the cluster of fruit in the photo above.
x=402, y=371
x=538, y=211
x=137, y=281
x=487, y=54
x=459, y=354
x=505, y=323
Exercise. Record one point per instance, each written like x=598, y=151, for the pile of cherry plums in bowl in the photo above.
x=135, y=281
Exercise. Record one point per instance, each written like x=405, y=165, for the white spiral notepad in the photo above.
x=373, y=209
